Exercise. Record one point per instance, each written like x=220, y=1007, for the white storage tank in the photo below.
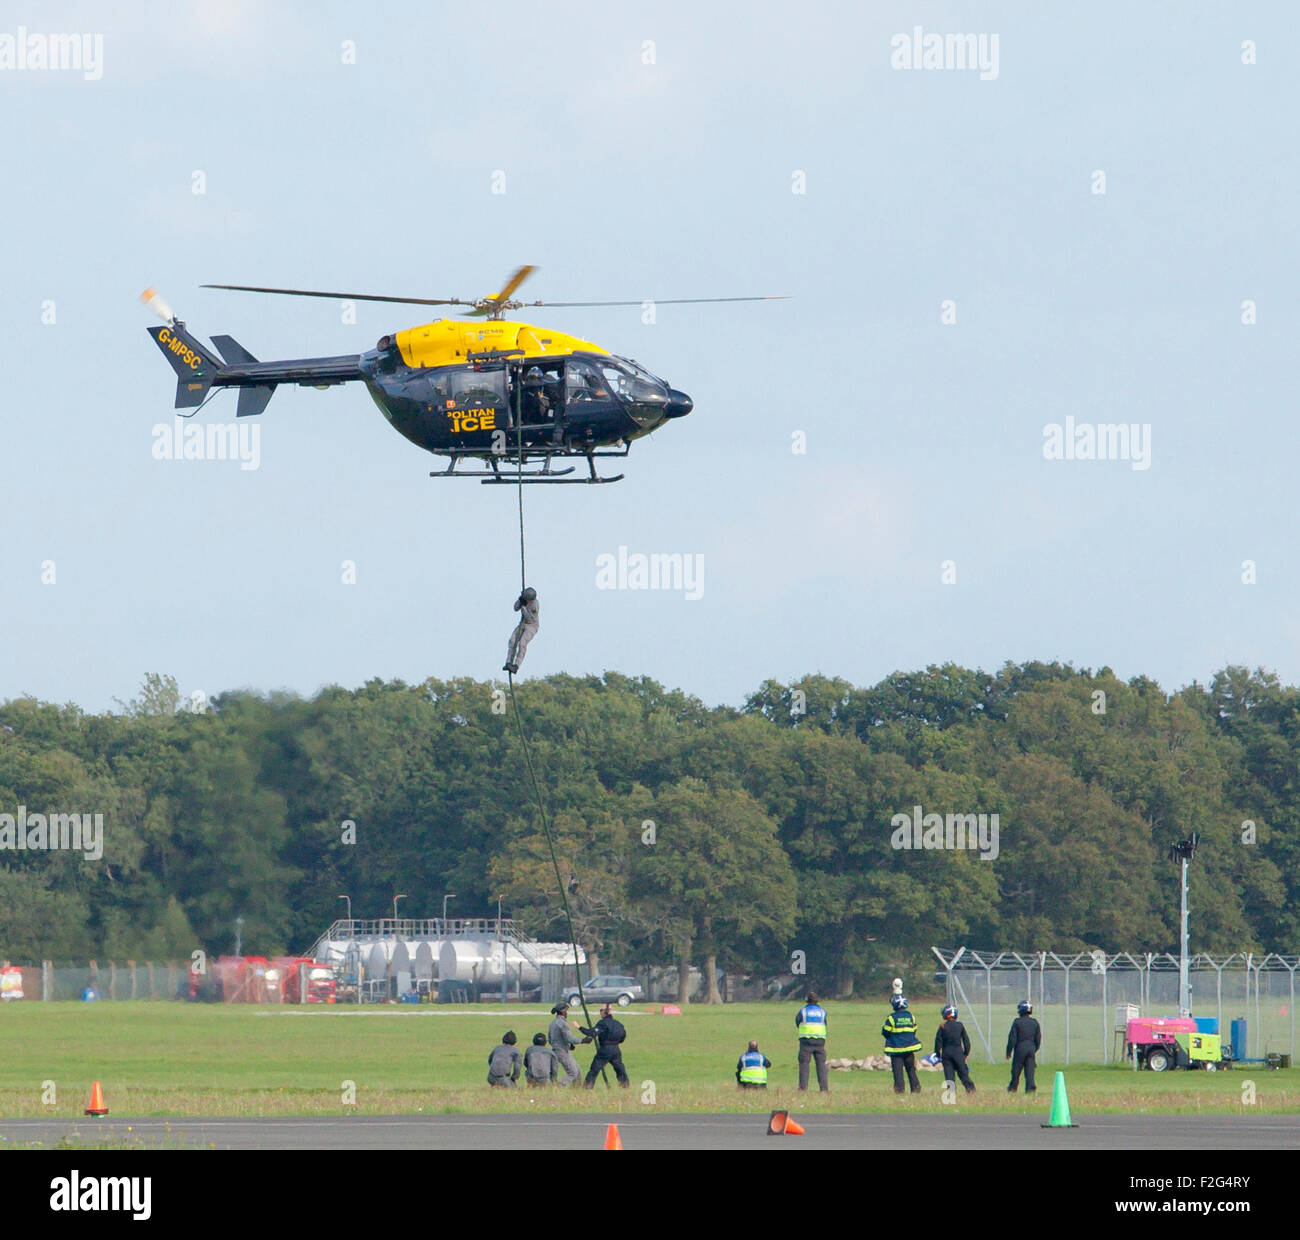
x=461, y=960
x=424, y=960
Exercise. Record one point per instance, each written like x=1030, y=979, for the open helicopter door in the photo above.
x=537, y=400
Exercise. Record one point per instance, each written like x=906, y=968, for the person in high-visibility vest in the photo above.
x=751, y=1068
x=901, y=1044
x=811, y=1023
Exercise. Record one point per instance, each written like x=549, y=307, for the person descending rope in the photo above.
x=525, y=630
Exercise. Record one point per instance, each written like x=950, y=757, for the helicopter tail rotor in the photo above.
x=195, y=367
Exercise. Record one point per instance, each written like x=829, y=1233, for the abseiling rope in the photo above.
x=527, y=746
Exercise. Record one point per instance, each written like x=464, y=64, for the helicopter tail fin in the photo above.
x=195, y=367
x=252, y=400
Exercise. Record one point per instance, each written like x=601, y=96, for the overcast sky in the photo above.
x=654, y=151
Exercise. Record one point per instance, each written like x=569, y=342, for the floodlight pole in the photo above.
x=1184, y=978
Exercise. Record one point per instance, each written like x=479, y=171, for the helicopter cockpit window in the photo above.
x=478, y=389
x=629, y=381
x=583, y=382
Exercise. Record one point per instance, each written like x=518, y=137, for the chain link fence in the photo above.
x=130, y=980
x=1081, y=999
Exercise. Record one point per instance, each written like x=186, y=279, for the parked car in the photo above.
x=607, y=988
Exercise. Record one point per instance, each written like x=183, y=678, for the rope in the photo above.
x=519, y=466
x=527, y=745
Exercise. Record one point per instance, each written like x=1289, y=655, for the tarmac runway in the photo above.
x=671, y=1132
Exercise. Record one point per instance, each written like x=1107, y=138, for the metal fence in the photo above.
x=1078, y=997
x=130, y=980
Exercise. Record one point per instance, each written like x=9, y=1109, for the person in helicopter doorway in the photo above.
x=543, y=402
x=525, y=630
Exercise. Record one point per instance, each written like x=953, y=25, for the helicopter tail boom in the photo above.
x=198, y=370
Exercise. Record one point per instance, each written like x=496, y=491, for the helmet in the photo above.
x=533, y=377
x=1024, y=1007
x=897, y=1002
x=950, y=1012
x=529, y=595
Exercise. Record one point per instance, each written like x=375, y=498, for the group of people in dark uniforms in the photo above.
x=550, y=1058
x=951, y=1046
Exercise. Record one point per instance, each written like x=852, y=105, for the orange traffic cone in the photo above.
x=776, y=1123
x=612, y=1141
x=793, y=1128
x=96, y=1106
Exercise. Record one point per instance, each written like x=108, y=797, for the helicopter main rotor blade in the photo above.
x=670, y=301
x=513, y=283
x=302, y=292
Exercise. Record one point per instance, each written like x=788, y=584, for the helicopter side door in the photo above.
x=538, y=390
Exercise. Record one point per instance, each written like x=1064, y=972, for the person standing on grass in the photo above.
x=811, y=1023
x=562, y=1043
x=952, y=1046
x=901, y=1044
x=1024, y=1042
x=609, y=1036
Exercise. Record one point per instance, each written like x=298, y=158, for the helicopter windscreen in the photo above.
x=632, y=383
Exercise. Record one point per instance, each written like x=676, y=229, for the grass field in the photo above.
x=174, y=1059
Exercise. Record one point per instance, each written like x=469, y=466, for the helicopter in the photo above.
x=497, y=392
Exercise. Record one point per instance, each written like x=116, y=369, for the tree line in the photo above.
x=742, y=839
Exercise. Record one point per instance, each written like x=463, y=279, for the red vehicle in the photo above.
x=322, y=987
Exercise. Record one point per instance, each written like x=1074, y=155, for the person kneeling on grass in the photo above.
x=505, y=1062
x=751, y=1068
x=540, y=1064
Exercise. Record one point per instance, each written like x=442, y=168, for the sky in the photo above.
x=1094, y=226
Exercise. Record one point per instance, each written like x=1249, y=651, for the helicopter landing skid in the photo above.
x=538, y=477
x=496, y=476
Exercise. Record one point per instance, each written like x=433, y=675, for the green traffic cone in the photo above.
x=1060, y=1105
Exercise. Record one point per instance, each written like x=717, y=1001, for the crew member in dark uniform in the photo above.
x=1023, y=1042
x=609, y=1035
x=751, y=1068
x=901, y=1044
x=540, y=1064
x=811, y=1023
x=505, y=1062
x=952, y=1046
